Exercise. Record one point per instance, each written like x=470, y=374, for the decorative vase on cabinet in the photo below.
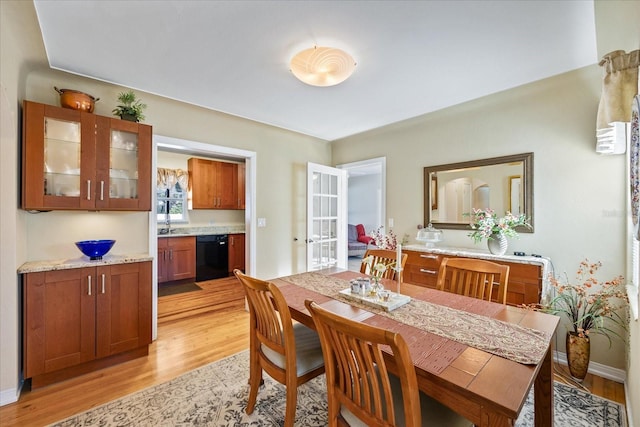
x=497, y=244
x=578, y=354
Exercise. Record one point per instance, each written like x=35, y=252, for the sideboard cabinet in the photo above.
x=525, y=277
x=74, y=160
x=80, y=319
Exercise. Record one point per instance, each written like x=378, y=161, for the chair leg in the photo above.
x=255, y=379
x=292, y=403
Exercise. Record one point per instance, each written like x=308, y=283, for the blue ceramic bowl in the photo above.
x=95, y=249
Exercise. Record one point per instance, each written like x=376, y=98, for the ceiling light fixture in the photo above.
x=322, y=66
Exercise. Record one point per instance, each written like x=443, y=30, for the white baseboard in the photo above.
x=627, y=406
x=604, y=371
x=9, y=396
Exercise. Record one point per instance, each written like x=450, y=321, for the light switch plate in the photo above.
x=262, y=222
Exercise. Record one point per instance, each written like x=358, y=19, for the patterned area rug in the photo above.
x=216, y=395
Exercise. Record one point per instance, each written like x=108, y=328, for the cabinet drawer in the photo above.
x=424, y=259
x=420, y=275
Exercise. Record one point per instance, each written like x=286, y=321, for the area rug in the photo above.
x=216, y=395
x=165, y=290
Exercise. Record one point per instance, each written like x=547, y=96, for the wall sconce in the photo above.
x=322, y=66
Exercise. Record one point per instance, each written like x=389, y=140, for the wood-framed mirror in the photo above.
x=452, y=191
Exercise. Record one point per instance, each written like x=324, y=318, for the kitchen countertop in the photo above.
x=83, y=261
x=547, y=266
x=202, y=231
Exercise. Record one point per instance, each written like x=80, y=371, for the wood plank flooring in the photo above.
x=187, y=339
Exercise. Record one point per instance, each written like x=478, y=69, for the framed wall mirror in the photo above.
x=452, y=191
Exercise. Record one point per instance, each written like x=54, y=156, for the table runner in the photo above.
x=513, y=342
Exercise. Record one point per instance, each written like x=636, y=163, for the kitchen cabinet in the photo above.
x=176, y=258
x=78, y=319
x=525, y=279
x=213, y=184
x=236, y=252
x=76, y=160
x=242, y=171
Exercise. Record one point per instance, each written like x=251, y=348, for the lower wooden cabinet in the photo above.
x=78, y=319
x=176, y=258
x=525, y=280
x=236, y=252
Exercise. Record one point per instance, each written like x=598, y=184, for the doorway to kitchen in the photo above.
x=196, y=300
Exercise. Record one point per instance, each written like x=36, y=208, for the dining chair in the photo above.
x=361, y=391
x=290, y=353
x=475, y=278
x=386, y=257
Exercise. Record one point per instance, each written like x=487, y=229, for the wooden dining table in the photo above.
x=487, y=389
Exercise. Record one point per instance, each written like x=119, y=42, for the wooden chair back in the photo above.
x=272, y=343
x=475, y=278
x=269, y=321
x=357, y=374
x=386, y=257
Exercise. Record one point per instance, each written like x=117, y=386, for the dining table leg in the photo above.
x=543, y=392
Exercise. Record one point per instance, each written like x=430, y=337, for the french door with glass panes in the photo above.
x=326, y=217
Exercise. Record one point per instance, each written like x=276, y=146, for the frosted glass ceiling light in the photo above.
x=322, y=66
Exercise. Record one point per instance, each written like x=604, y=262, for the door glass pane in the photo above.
x=123, y=165
x=316, y=182
x=61, y=157
x=333, y=185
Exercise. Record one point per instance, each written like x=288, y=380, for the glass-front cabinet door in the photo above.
x=78, y=160
x=123, y=166
x=55, y=158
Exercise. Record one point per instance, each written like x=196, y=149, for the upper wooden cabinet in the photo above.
x=213, y=184
x=81, y=161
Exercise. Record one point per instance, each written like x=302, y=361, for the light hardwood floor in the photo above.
x=184, y=343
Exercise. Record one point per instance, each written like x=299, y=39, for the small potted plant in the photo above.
x=130, y=108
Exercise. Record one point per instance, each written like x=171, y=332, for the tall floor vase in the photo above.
x=497, y=244
x=578, y=354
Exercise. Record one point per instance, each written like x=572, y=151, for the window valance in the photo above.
x=167, y=178
x=619, y=86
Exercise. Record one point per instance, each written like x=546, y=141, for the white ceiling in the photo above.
x=413, y=57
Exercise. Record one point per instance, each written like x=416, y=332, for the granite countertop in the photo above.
x=83, y=261
x=202, y=231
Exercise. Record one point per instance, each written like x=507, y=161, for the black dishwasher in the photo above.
x=212, y=257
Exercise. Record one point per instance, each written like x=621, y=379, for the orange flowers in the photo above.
x=589, y=303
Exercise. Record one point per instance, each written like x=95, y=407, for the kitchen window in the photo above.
x=171, y=194
x=172, y=203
